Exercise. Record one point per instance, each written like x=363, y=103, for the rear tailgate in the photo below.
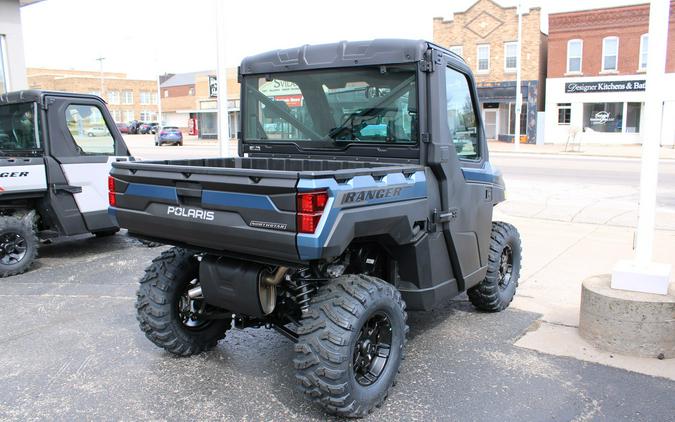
x=241, y=210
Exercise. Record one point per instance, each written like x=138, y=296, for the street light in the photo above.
x=519, y=96
x=642, y=274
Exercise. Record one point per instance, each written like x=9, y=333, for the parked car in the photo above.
x=169, y=135
x=97, y=131
x=123, y=128
x=145, y=128
x=153, y=127
x=134, y=125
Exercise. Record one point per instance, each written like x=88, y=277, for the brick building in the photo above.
x=596, y=76
x=128, y=99
x=485, y=35
x=190, y=101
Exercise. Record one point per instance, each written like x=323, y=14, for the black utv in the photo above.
x=362, y=190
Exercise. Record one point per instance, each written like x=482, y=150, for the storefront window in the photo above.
x=603, y=117
x=633, y=117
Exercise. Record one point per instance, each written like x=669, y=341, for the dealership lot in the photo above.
x=71, y=348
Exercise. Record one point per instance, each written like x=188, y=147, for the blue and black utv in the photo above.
x=362, y=189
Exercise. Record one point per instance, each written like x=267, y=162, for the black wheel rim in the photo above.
x=13, y=248
x=372, y=349
x=505, y=267
x=190, y=311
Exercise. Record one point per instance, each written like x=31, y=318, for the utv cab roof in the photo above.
x=340, y=54
x=38, y=95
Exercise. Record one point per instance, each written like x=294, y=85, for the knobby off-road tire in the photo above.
x=18, y=244
x=159, y=305
x=331, y=349
x=496, y=291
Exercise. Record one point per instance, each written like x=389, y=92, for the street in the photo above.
x=72, y=349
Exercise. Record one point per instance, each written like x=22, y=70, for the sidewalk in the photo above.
x=557, y=257
x=591, y=150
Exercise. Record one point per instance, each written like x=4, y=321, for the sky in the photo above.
x=144, y=38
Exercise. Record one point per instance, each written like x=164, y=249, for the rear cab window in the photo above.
x=19, y=128
x=89, y=130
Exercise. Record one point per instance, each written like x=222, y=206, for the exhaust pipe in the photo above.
x=272, y=279
x=195, y=293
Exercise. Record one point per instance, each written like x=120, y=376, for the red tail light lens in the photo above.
x=112, y=199
x=310, y=208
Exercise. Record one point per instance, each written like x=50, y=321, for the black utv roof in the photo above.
x=340, y=54
x=37, y=95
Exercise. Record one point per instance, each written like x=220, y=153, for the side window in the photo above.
x=462, y=122
x=89, y=130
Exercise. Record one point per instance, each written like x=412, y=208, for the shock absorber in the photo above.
x=301, y=288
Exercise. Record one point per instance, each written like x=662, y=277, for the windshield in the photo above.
x=18, y=128
x=375, y=104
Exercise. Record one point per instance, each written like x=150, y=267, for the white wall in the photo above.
x=555, y=93
x=10, y=27
x=175, y=119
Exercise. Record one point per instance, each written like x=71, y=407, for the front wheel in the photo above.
x=18, y=244
x=497, y=290
x=168, y=316
x=350, y=344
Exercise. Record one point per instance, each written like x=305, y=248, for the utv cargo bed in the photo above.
x=242, y=206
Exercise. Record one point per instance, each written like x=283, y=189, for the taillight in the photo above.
x=112, y=199
x=310, y=208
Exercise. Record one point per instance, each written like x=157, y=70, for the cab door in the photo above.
x=84, y=141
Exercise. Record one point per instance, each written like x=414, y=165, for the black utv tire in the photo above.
x=497, y=290
x=158, y=303
x=341, y=360
x=18, y=244
x=106, y=233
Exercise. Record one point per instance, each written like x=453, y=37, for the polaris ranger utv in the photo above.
x=363, y=188
x=56, y=150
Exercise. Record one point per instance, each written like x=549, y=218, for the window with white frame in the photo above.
x=146, y=97
x=510, y=56
x=457, y=49
x=4, y=74
x=148, y=116
x=116, y=115
x=153, y=97
x=113, y=97
x=575, y=50
x=129, y=115
x=127, y=97
x=483, y=52
x=644, y=43
x=564, y=113
x=610, y=53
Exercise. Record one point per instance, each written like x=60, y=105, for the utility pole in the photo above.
x=100, y=62
x=519, y=96
x=642, y=274
x=159, y=101
x=221, y=75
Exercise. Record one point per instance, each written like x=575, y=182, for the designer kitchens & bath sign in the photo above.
x=605, y=86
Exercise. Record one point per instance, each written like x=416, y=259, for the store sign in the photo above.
x=213, y=86
x=601, y=117
x=604, y=86
x=279, y=88
x=290, y=100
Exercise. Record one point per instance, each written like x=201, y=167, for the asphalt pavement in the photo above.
x=71, y=350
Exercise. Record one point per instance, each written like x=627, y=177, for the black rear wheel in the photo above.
x=497, y=290
x=168, y=316
x=18, y=244
x=351, y=344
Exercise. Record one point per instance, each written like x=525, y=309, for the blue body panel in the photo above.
x=310, y=246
